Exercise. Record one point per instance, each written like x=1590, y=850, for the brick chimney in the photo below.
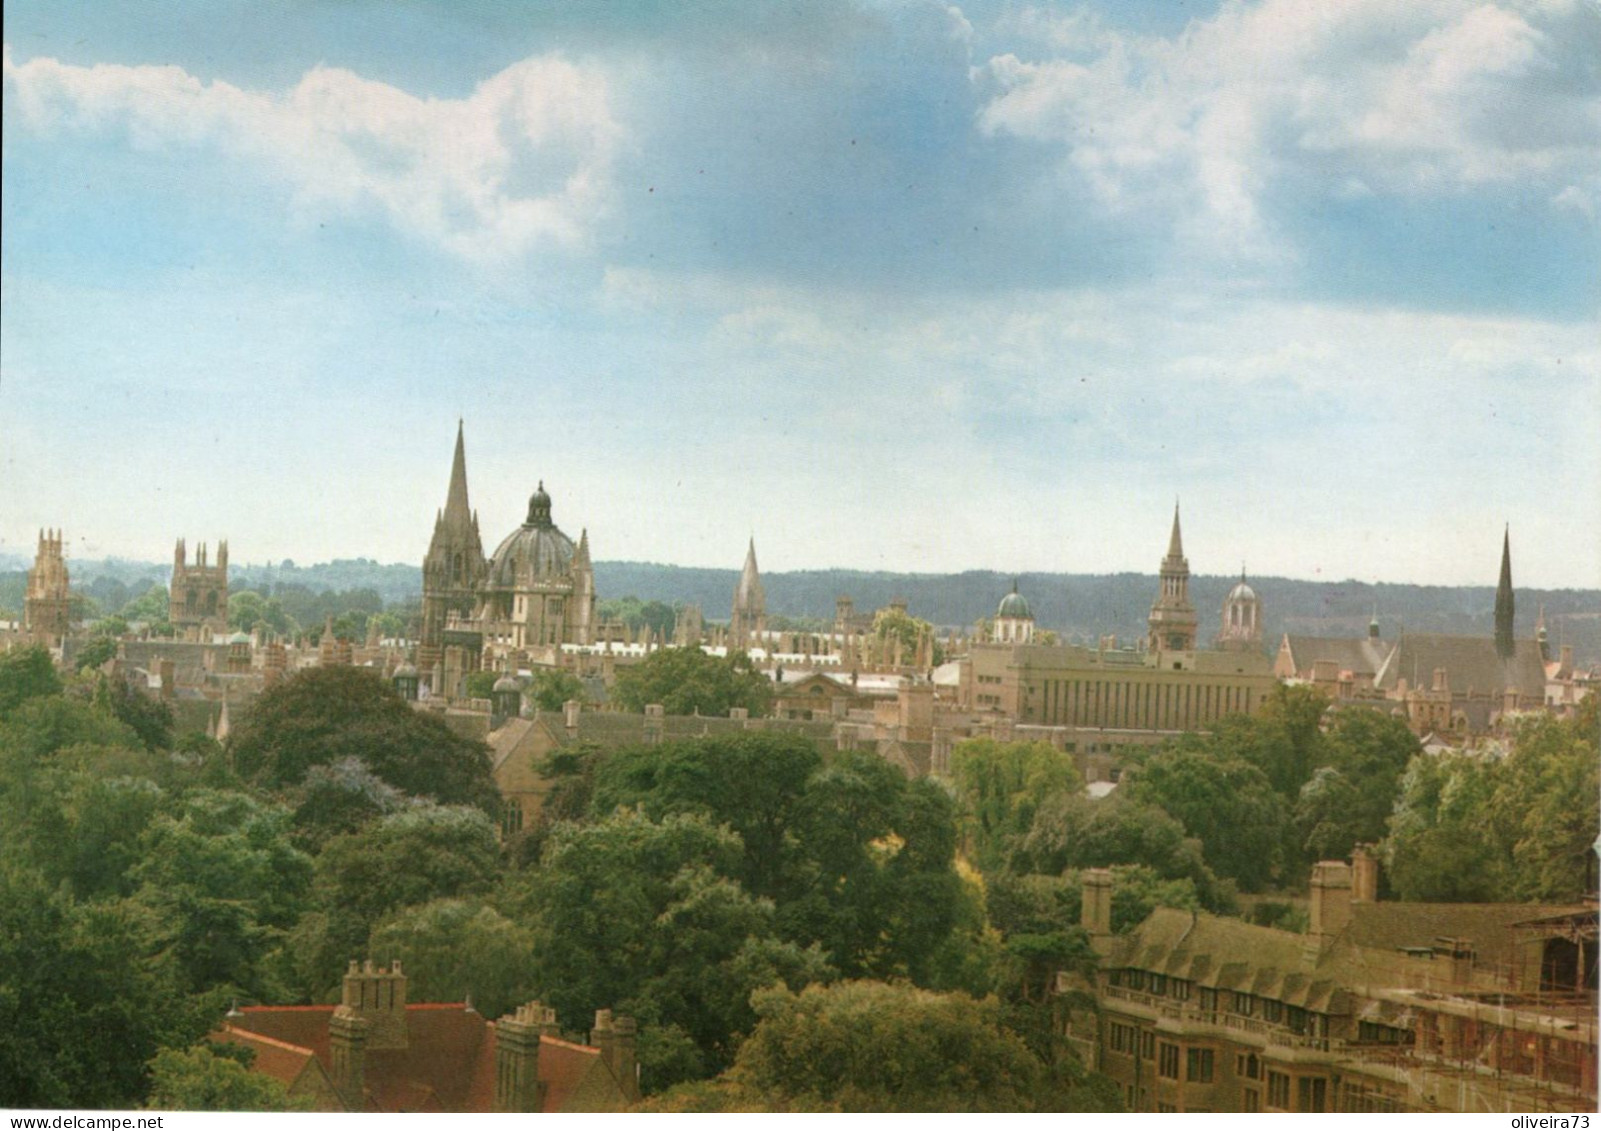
x=517, y=1037
x=378, y=997
x=347, y=1049
x=1095, y=907
x=1331, y=898
x=616, y=1038
x=1364, y=874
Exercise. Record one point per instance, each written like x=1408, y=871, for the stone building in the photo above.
x=1380, y=1007
x=1241, y=630
x=377, y=1052
x=532, y=597
x=198, y=605
x=1014, y=620
x=47, y=603
x=1172, y=620
x=748, y=619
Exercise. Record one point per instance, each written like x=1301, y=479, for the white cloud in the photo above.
x=521, y=163
x=1404, y=99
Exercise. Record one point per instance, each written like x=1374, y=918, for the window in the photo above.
x=1248, y=1067
x=1167, y=1061
x=1159, y=984
x=1208, y=1001
x=1278, y=1090
x=1244, y=1005
x=1272, y=1010
x=1311, y=1093
x=1198, y=1066
x=1180, y=989
x=1136, y=979
x=1251, y=1100
x=1148, y=1046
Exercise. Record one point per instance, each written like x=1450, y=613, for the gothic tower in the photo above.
x=1505, y=644
x=454, y=566
x=1172, y=621
x=47, y=604
x=198, y=601
x=750, y=605
x=1242, y=619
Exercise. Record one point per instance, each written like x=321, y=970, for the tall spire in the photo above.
x=457, y=509
x=1505, y=644
x=1175, y=542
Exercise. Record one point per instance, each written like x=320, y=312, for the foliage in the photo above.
x=688, y=681
x=152, y=607
x=320, y=716
x=1000, y=786
x=95, y=652
x=645, y=916
x=1348, y=801
x=898, y=633
x=200, y=1079
x=660, y=616
x=1076, y=832
x=340, y=798
x=149, y=718
x=1476, y=827
x=1225, y=804
x=867, y=1046
x=26, y=673
x=459, y=950
x=553, y=687
x=480, y=684
x=225, y=882
x=87, y=998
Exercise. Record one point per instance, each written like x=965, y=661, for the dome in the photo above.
x=1013, y=605
x=535, y=550
x=1242, y=592
x=406, y=671
x=507, y=683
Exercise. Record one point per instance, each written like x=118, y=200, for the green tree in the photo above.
x=899, y=633
x=459, y=950
x=414, y=856
x=95, y=652
x=645, y=916
x=151, y=607
x=200, y=1079
x=320, y=716
x=26, y=673
x=688, y=681
x=1550, y=794
x=1076, y=832
x=552, y=687
x=999, y=787
x=480, y=684
x=226, y=882
x=867, y=1046
x=1348, y=801
x=1226, y=804
x=1443, y=846
x=88, y=995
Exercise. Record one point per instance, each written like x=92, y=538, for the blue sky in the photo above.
x=899, y=285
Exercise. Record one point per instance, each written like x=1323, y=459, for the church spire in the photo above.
x=1505, y=642
x=457, y=509
x=1175, y=542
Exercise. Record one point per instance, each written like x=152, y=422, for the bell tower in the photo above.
x=1172, y=621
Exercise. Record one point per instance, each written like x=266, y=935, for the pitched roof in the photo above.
x=1470, y=663
x=448, y=1064
x=1360, y=655
x=1393, y=926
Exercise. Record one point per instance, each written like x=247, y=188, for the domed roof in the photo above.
x=1013, y=605
x=1242, y=591
x=535, y=550
x=406, y=671
x=507, y=683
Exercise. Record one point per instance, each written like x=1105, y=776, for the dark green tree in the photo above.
x=26, y=673
x=688, y=681
x=999, y=787
x=201, y=1078
x=320, y=716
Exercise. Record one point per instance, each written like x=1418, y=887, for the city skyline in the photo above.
x=906, y=287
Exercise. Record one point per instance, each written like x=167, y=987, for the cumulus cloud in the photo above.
x=1408, y=100
x=521, y=163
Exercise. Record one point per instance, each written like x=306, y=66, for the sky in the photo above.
x=886, y=285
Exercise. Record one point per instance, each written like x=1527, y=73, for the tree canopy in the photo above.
x=689, y=681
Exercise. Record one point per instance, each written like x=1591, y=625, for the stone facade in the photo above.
x=198, y=605
x=47, y=605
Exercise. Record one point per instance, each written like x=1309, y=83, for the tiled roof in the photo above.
x=1392, y=926
x=1360, y=655
x=448, y=1064
x=1470, y=662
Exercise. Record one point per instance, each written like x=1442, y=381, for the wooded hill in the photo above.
x=1080, y=607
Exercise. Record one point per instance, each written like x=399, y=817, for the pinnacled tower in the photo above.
x=454, y=567
x=1505, y=643
x=749, y=618
x=47, y=603
x=198, y=600
x=1242, y=619
x=1172, y=621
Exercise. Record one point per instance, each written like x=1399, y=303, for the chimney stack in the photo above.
x=1364, y=874
x=1095, y=908
x=517, y=1037
x=378, y=996
x=1331, y=899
